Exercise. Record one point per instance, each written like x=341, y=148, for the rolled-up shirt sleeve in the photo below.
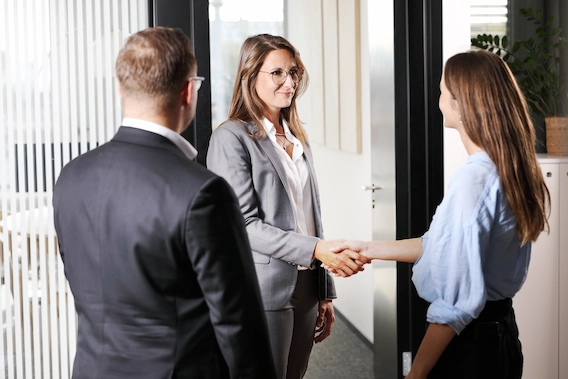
x=449, y=273
x=457, y=277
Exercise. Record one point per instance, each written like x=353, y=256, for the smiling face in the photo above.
x=274, y=96
x=449, y=106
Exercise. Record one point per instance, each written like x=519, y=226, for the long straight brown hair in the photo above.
x=246, y=105
x=495, y=116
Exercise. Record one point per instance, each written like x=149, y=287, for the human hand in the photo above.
x=360, y=247
x=344, y=262
x=348, y=247
x=325, y=320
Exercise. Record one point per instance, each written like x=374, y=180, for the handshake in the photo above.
x=342, y=258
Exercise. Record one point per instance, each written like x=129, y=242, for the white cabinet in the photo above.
x=541, y=306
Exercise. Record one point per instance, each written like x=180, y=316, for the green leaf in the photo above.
x=555, y=31
x=549, y=21
x=527, y=11
x=496, y=40
x=504, y=42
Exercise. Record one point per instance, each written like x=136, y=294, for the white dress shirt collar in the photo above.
x=161, y=130
x=271, y=133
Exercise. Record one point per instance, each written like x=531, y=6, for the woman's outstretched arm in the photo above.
x=408, y=250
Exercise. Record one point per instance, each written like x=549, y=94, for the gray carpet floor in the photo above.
x=342, y=355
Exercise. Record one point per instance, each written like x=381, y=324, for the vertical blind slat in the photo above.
x=19, y=261
x=48, y=53
x=56, y=124
x=6, y=350
x=59, y=101
x=35, y=128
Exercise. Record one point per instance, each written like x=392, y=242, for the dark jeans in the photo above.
x=488, y=348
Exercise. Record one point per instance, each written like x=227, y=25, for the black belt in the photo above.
x=490, y=319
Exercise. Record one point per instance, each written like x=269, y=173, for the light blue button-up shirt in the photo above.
x=472, y=252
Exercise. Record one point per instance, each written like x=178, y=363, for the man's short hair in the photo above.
x=155, y=62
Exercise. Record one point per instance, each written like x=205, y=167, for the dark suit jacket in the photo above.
x=159, y=263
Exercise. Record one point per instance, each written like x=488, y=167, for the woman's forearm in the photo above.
x=437, y=338
x=407, y=250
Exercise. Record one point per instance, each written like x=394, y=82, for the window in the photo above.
x=231, y=22
x=488, y=17
x=57, y=100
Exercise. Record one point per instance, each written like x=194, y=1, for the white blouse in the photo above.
x=298, y=175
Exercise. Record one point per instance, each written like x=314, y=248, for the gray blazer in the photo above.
x=254, y=170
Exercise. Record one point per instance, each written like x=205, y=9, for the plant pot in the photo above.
x=556, y=135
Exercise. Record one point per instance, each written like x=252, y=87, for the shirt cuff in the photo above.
x=442, y=312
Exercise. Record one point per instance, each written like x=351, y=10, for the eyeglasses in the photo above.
x=198, y=80
x=280, y=75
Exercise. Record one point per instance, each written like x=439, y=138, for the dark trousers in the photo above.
x=488, y=348
x=292, y=329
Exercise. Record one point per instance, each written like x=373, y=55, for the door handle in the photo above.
x=371, y=188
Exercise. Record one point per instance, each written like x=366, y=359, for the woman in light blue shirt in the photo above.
x=474, y=258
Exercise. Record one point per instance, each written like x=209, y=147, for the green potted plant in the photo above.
x=535, y=62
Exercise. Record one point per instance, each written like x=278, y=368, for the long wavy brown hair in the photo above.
x=246, y=105
x=495, y=116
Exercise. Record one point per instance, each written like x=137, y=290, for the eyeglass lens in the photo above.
x=279, y=76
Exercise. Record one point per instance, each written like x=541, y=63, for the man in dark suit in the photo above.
x=154, y=245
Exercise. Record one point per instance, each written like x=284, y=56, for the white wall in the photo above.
x=456, y=38
x=346, y=209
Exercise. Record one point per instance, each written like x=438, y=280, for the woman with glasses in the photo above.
x=262, y=150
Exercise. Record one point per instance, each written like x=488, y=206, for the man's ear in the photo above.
x=187, y=93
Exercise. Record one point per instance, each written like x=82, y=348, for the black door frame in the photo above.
x=418, y=147
x=192, y=17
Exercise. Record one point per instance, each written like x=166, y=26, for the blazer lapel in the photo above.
x=267, y=146
x=315, y=190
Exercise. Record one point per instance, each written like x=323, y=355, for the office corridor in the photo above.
x=343, y=355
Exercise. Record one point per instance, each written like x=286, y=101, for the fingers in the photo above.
x=328, y=319
x=356, y=246
x=325, y=332
x=339, y=248
x=320, y=319
x=347, y=263
x=358, y=258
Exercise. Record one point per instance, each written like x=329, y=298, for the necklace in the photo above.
x=281, y=138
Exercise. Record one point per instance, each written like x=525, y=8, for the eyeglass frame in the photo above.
x=198, y=80
x=300, y=73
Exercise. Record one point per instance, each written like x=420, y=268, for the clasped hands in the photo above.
x=341, y=259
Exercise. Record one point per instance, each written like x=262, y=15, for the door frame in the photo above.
x=192, y=17
x=416, y=54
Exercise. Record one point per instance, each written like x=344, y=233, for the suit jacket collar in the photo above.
x=141, y=137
